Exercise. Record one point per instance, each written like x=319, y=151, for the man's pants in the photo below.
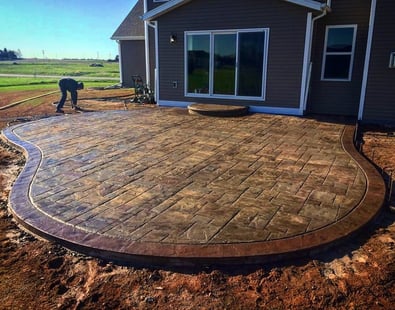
x=64, y=96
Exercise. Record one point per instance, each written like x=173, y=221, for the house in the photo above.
x=130, y=36
x=293, y=57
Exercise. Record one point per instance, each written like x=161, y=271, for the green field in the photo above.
x=81, y=70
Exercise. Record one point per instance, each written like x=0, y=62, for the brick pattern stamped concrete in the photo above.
x=165, y=187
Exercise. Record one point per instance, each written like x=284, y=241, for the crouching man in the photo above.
x=69, y=85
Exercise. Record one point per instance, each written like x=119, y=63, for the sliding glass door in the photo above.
x=226, y=63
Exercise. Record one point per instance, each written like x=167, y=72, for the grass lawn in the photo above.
x=70, y=68
x=8, y=84
x=61, y=67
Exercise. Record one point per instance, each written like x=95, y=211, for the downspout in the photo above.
x=154, y=25
x=156, y=86
x=147, y=49
x=308, y=64
x=147, y=53
x=367, y=59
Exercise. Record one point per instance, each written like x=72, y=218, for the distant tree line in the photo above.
x=9, y=54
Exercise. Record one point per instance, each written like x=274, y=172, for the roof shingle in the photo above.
x=132, y=27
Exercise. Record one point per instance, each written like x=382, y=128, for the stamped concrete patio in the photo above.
x=160, y=186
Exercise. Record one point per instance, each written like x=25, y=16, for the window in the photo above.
x=226, y=64
x=339, y=53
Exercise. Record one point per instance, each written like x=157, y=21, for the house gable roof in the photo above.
x=172, y=4
x=132, y=27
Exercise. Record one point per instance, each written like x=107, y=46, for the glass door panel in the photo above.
x=198, y=63
x=224, y=64
x=251, y=51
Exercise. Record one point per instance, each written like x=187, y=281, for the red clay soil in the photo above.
x=36, y=274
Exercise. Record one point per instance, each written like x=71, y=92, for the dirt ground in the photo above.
x=36, y=274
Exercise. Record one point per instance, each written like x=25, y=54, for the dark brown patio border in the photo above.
x=125, y=251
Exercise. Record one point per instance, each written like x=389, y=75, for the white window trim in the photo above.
x=352, y=53
x=211, y=68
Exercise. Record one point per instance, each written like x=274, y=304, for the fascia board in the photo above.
x=164, y=8
x=172, y=4
x=128, y=38
x=311, y=4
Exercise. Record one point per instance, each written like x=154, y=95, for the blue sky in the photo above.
x=62, y=28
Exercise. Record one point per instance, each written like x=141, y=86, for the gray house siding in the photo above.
x=130, y=37
x=334, y=97
x=380, y=92
x=285, y=49
x=133, y=55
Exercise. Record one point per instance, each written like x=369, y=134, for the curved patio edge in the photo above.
x=122, y=250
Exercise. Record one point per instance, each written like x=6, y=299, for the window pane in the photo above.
x=224, y=64
x=337, y=66
x=198, y=63
x=340, y=40
x=251, y=51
